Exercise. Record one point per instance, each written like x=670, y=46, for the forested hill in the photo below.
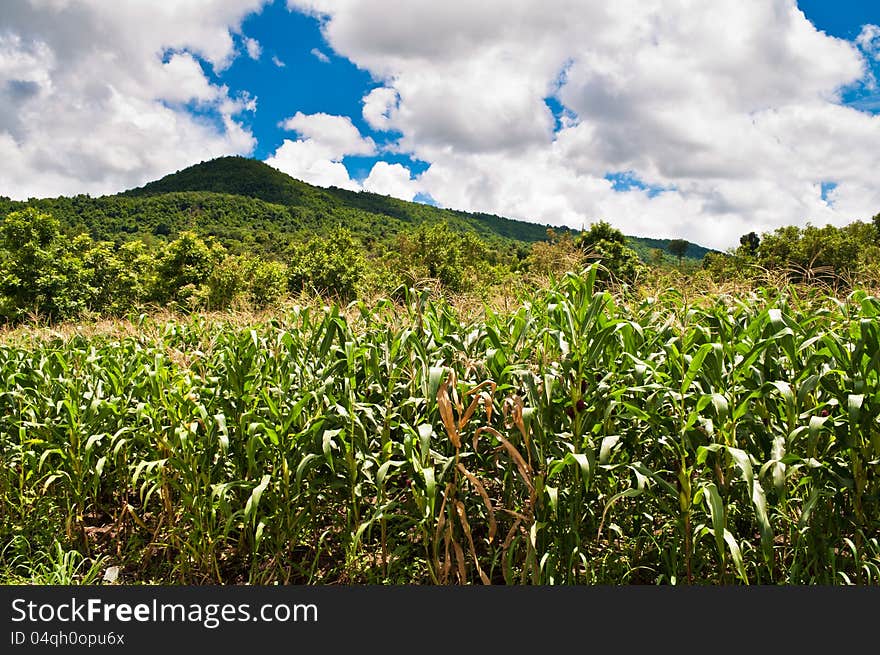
x=250, y=206
x=238, y=176
x=248, y=177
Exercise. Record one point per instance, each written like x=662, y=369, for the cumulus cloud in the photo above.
x=869, y=40
x=96, y=97
x=733, y=107
x=278, y=62
x=316, y=156
x=391, y=180
x=306, y=160
x=378, y=106
x=336, y=135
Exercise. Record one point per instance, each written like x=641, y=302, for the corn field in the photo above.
x=584, y=438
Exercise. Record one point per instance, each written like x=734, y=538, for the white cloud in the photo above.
x=732, y=105
x=316, y=157
x=336, y=135
x=181, y=79
x=320, y=56
x=93, y=95
x=869, y=40
x=324, y=141
x=378, y=107
x=391, y=180
x=253, y=47
x=278, y=62
x=307, y=160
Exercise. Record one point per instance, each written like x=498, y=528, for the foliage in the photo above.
x=604, y=243
x=244, y=280
x=829, y=252
x=252, y=208
x=437, y=252
x=678, y=248
x=577, y=439
x=556, y=256
x=749, y=244
x=184, y=266
x=837, y=257
x=38, y=275
x=331, y=265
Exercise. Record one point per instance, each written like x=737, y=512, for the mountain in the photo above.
x=255, y=179
x=248, y=205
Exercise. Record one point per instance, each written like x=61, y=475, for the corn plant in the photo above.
x=585, y=437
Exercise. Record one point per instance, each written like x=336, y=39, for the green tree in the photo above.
x=656, y=256
x=434, y=250
x=749, y=244
x=184, y=267
x=39, y=271
x=678, y=248
x=227, y=282
x=608, y=245
x=333, y=265
x=812, y=253
x=118, y=278
x=601, y=231
x=267, y=282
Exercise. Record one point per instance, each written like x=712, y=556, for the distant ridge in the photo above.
x=239, y=199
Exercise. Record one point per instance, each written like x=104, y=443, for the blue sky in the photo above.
x=704, y=121
x=312, y=78
x=312, y=82
x=298, y=71
x=844, y=19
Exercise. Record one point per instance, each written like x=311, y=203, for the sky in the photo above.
x=666, y=118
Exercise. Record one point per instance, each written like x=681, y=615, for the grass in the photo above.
x=578, y=436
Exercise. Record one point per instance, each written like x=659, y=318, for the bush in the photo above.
x=435, y=251
x=267, y=282
x=619, y=262
x=556, y=256
x=39, y=272
x=184, y=266
x=329, y=265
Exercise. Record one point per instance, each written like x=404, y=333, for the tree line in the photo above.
x=50, y=271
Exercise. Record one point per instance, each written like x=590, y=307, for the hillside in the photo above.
x=255, y=179
x=248, y=205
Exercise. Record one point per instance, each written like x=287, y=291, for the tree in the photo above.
x=267, y=282
x=436, y=251
x=608, y=245
x=39, y=271
x=333, y=265
x=678, y=248
x=600, y=231
x=556, y=256
x=749, y=244
x=185, y=266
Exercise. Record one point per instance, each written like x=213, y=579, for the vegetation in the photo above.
x=608, y=245
x=581, y=438
x=834, y=257
x=678, y=248
x=396, y=393
x=251, y=208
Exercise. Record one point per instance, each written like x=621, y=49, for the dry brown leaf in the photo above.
x=521, y=465
x=493, y=526
x=462, y=517
x=444, y=404
x=459, y=558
